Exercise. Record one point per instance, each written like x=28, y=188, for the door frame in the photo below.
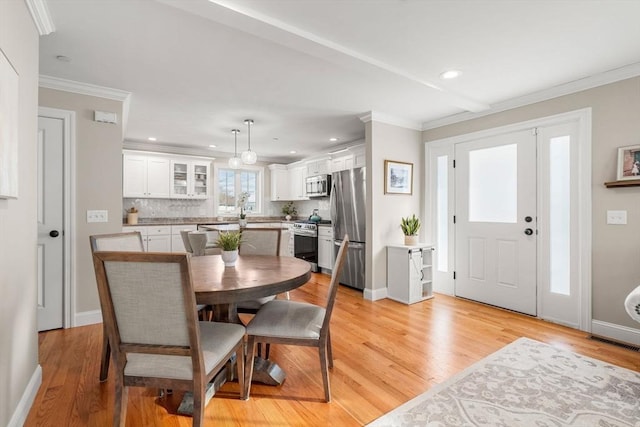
x=445, y=146
x=69, y=212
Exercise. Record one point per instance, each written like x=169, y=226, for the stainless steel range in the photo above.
x=305, y=242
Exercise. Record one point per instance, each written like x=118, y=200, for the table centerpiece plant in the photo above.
x=229, y=242
x=410, y=226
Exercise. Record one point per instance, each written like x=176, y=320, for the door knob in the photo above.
x=528, y=231
x=54, y=233
x=528, y=219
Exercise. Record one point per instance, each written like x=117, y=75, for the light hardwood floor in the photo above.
x=385, y=354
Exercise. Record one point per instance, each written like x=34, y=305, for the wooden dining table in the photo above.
x=253, y=277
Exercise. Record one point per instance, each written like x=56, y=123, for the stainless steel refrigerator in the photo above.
x=348, y=216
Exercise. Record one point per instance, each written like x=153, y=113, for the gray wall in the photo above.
x=18, y=238
x=98, y=181
x=615, y=123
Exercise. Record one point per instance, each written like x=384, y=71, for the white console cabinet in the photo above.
x=409, y=273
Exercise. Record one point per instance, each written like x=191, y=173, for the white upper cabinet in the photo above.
x=190, y=179
x=280, y=189
x=353, y=158
x=297, y=176
x=145, y=176
x=318, y=167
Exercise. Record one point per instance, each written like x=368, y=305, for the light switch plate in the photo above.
x=97, y=216
x=617, y=217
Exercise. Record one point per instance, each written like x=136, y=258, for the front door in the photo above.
x=495, y=215
x=50, y=222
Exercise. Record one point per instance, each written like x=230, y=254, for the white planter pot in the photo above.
x=410, y=240
x=230, y=258
x=242, y=222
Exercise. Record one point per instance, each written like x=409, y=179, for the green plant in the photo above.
x=289, y=209
x=229, y=240
x=410, y=225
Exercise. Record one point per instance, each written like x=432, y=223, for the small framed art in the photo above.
x=398, y=177
x=628, y=163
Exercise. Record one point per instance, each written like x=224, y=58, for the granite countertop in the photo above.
x=206, y=220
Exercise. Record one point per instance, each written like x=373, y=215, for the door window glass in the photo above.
x=442, y=214
x=559, y=215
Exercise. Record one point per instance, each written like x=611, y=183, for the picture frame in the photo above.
x=628, y=163
x=398, y=177
x=8, y=129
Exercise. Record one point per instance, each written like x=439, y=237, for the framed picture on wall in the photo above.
x=398, y=177
x=628, y=163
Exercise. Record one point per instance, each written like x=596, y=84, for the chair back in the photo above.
x=198, y=242
x=129, y=242
x=138, y=289
x=260, y=241
x=185, y=240
x=333, y=285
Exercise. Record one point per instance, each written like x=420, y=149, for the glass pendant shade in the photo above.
x=235, y=162
x=249, y=157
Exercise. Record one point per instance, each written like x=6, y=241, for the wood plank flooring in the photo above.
x=385, y=353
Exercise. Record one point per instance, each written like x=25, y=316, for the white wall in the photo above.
x=18, y=238
x=384, y=211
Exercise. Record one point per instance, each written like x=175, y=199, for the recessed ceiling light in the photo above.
x=212, y=145
x=450, y=74
x=333, y=139
x=152, y=138
x=292, y=152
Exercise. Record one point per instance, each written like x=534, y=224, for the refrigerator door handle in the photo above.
x=352, y=245
x=333, y=210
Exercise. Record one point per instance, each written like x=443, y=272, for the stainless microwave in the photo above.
x=318, y=186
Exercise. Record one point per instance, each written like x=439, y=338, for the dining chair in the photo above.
x=200, y=243
x=129, y=241
x=182, y=353
x=297, y=323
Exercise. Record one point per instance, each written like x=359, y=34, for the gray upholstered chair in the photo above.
x=180, y=352
x=297, y=323
x=200, y=243
x=130, y=241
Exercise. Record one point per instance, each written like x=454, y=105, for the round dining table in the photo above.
x=253, y=276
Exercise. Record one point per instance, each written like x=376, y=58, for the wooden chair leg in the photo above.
x=241, y=372
x=325, y=371
x=120, y=410
x=198, y=404
x=267, y=349
x=105, y=356
x=329, y=350
x=251, y=348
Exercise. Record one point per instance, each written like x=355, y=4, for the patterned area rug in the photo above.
x=528, y=383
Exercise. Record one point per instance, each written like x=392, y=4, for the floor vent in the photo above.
x=616, y=343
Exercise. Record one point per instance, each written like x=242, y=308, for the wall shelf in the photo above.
x=626, y=183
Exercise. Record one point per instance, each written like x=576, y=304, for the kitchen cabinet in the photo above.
x=146, y=176
x=318, y=167
x=280, y=188
x=190, y=179
x=409, y=273
x=325, y=247
x=287, y=240
x=297, y=183
x=359, y=157
x=155, y=238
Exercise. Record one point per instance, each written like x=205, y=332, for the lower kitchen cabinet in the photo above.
x=325, y=247
x=155, y=238
x=409, y=273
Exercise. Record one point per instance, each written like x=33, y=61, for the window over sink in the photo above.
x=230, y=183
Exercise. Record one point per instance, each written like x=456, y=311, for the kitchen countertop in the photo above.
x=206, y=220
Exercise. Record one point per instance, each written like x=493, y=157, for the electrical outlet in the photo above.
x=97, y=216
x=617, y=217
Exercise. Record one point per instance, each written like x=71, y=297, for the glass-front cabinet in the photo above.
x=190, y=179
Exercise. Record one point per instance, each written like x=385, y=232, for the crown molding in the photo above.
x=375, y=116
x=611, y=76
x=41, y=16
x=57, y=83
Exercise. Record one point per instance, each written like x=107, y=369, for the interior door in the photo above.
x=50, y=223
x=495, y=255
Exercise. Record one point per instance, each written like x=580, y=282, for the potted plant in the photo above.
x=410, y=227
x=242, y=202
x=132, y=215
x=289, y=210
x=229, y=242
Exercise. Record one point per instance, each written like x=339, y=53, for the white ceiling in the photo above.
x=307, y=70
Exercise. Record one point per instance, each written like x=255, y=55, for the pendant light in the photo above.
x=235, y=162
x=249, y=157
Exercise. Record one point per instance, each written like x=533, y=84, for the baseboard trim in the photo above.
x=88, y=318
x=375, y=294
x=616, y=332
x=24, y=405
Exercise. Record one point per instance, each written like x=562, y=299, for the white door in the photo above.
x=495, y=260
x=50, y=223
